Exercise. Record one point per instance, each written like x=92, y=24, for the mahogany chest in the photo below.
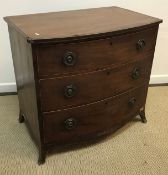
x=81, y=74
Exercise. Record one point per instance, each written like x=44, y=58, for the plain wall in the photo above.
x=17, y=7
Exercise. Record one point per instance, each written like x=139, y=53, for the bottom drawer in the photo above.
x=88, y=121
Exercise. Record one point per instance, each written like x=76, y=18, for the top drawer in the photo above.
x=93, y=55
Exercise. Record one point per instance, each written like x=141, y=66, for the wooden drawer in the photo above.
x=92, y=120
x=93, y=55
x=63, y=92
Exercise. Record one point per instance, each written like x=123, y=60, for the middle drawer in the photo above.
x=68, y=91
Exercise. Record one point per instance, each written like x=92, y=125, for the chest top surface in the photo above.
x=57, y=25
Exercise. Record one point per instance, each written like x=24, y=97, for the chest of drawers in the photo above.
x=81, y=74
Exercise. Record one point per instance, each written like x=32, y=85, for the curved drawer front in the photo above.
x=93, y=120
x=92, y=55
x=63, y=92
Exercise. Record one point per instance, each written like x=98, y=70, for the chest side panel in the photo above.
x=24, y=73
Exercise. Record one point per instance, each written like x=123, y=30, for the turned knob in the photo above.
x=141, y=44
x=132, y=102
x=69, y=59
x=70, y=91
x=70, y=123
x=136, y=73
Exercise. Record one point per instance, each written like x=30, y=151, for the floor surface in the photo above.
x=135, y=149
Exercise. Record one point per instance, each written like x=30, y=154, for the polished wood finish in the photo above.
x=24, y=73
x=81, y=74
x=57, y=25
x=103, y=116
x=88, y=86
x=95, y=54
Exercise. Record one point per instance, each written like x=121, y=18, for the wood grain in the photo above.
x=110, y=73
x=92, y=86
x=78, y=22
x=24, y=73
x=94, y=119
x=94, y=55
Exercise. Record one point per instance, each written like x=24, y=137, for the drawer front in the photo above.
x=93, y=55
x=63, y=92
x=92, y=120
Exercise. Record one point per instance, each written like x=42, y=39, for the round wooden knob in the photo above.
x=141, y=44
x=70, y=123
x=70, y=91
x=69, y=59
x=136, y=73
x=132, y=102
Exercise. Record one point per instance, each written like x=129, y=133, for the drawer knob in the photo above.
x=141, y=44
x=70, y=123
x=70, y=91
x=132, y=102
x=136, y=73
x=69, y=59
